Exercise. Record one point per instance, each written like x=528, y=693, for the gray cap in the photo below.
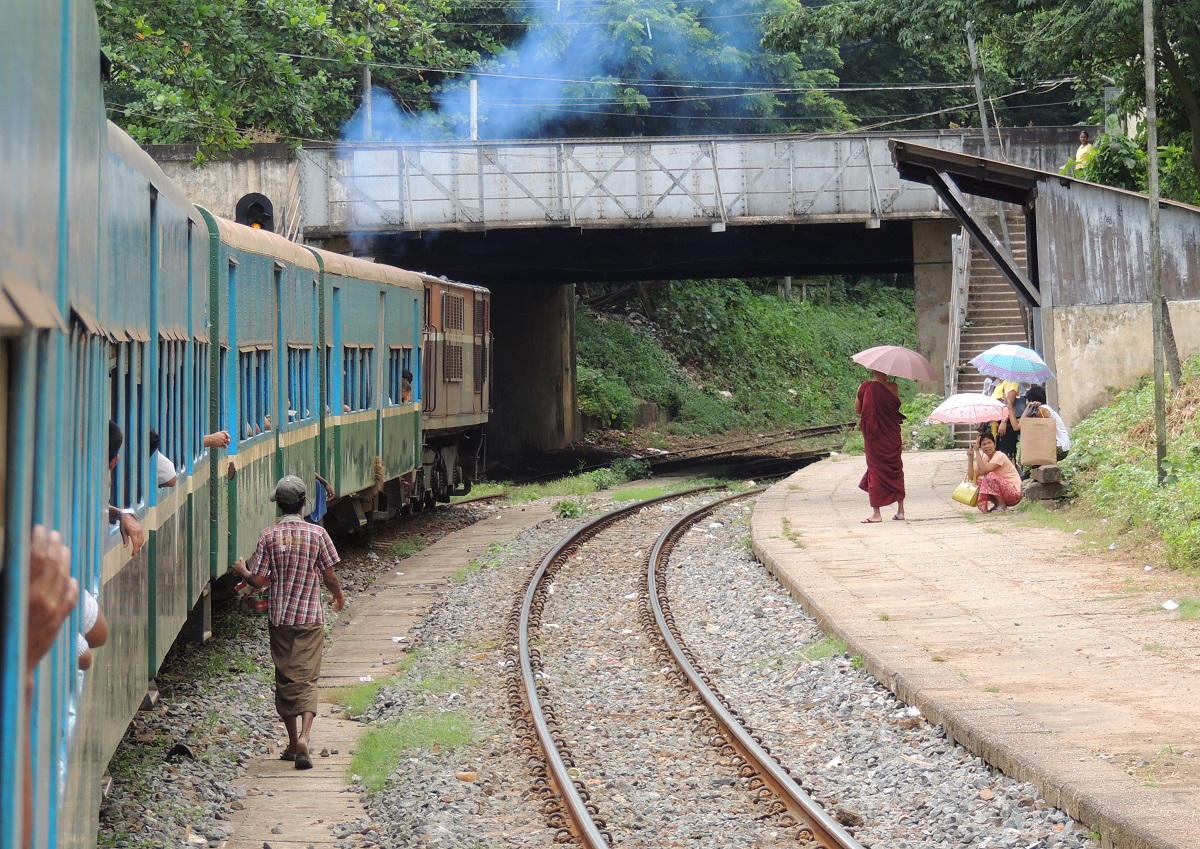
x=289, y=490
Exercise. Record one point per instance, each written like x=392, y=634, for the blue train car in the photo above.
x=152, y=320
x=263, y=290
x=121, y=301
x=371, y=423
x=51, y=144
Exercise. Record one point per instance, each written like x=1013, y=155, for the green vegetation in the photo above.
x=1111, y=468
x=737, y=356
x=448, y=681
x=568, y=509
x=1022, y=42
x=790, y=535
x=926, y=435
x=358, y=697
x=585, y=483
x=407, y=547
x=1189, y=608
x=823, y=648
x=378, y=750
x=641, y=493
x=884, y=616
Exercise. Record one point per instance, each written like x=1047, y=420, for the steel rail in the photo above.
x=581, y=819
x=737, y=445
x=758, y=764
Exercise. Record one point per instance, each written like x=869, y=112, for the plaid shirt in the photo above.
x=293, y=554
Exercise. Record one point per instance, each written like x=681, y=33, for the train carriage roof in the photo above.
x=362, y=269
x=128, y=151
x=264, y=243
x=453, y=284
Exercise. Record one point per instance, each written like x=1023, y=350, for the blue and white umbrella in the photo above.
x=1013, y=362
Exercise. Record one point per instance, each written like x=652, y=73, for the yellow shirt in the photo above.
x=1083, y=154
x=1000, y=393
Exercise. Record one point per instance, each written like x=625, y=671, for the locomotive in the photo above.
x=121, y=300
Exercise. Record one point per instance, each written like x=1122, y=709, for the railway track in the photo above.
x=547, y=721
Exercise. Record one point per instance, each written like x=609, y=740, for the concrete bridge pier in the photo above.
x=535, y=402
x=933, y=281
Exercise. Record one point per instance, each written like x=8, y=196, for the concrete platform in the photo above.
x=288, y=808
x=1037, y=649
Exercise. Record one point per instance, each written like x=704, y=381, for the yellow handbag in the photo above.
x=966, y=493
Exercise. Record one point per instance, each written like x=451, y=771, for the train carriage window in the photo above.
x=263, y=395
x=170, y=408
x=349, y=369
x=357, y=386
x=200, y=412
x=223, y=411
x=367, y=372
x=328, y=378
x=254, y=392
x=399, y=389
x=128, y=401
x=299, y=378
x=293, y=380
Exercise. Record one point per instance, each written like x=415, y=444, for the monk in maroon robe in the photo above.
x=878, y=405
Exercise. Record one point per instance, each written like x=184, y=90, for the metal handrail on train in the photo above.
x=430, y=334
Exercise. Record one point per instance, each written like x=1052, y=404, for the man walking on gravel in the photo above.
x=291, y=555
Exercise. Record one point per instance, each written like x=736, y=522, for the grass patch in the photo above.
x=1189, y=608
x=572, y=486
x=492, y=556
x=826, y=647
x=885, y=616
x=131, y=764
x=449, y=681
x=407, y=547
x=641, y=493
x=991, y=689
x=792, y=536
x=480, y=489
x=378, y=751
x=1112, y=466
x=358, y=697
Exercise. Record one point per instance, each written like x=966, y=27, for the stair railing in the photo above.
x=960, y=288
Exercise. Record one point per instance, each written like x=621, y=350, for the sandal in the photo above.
x=287, y=755
x=303, y=761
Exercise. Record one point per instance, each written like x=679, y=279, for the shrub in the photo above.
x=604, y=398
x=926, y=435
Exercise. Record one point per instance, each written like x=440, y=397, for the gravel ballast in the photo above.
x=891, y=778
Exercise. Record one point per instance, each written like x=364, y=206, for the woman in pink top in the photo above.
x=998, y=479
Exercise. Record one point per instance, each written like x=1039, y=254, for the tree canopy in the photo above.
x=1025, y=43
x=223, y=73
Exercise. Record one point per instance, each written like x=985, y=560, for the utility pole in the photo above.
x=366, y=102
x=983, y=121
x=1156, y=292
x=983, y=124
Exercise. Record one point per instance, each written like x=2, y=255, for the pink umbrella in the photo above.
x=896, y=361
x=969, y=408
